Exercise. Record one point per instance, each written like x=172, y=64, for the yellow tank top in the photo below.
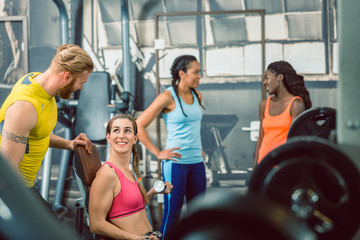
x=26, y=89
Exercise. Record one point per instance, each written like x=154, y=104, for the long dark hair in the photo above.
x=293, y=82
x=135, y=152
x=182, y=63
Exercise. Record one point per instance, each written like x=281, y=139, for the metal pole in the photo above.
x=125, y=45
x=262, y=14
x=48, y=156
x=45, y=181
x=129, y=90
x=158, y=132
x=57, y=206
x=348, y=98
x=64, y=21
x=348, y=114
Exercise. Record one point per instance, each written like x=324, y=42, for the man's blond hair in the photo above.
x=72, y=58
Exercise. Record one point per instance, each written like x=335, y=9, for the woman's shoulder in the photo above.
x=165, y=96
x=297, y=106
x=297, y=101
x=106, y=172
x=167, y=93
x=263, y=102
x=105, y=179
x=198, y=93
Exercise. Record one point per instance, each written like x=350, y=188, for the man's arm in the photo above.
x=20, y=118
x=59, y=142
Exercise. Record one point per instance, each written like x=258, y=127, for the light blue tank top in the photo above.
x=184, y=132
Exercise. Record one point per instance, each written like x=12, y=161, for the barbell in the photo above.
x=224, y=215
x=316, y=182
x=307, y=187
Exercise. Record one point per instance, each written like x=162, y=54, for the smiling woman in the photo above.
x=117, y=197
x=121, y=136
x=182, y=161
x=288, y=99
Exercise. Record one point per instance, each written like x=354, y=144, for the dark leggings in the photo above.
x=189, y=180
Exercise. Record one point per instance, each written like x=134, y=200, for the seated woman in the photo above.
x=117, y=199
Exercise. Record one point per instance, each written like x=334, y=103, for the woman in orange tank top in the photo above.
x=288, y=98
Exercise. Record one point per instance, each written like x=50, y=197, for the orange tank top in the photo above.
x=275, y=129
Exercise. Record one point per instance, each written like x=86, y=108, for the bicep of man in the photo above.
x=20, y=118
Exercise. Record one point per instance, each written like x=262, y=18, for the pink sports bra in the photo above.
x=129, y=200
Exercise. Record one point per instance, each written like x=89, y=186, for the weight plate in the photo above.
x=224, y=215
x=314, y=180
x=317, y=122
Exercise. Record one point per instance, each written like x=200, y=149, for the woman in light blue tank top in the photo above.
x=182, y=161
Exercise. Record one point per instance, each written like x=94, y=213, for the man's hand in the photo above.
x=83, y=140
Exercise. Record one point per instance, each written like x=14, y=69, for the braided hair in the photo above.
x=135, y=152
x=182, y=63
x=293, y=82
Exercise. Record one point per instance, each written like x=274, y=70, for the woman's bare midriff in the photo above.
x=137, y=223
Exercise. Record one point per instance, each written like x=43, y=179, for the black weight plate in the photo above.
x=317, y=122
x=22, y=214
x=313, y=164
x=224, y=215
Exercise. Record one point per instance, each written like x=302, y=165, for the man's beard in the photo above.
x=66, y=92
x=65, y=95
